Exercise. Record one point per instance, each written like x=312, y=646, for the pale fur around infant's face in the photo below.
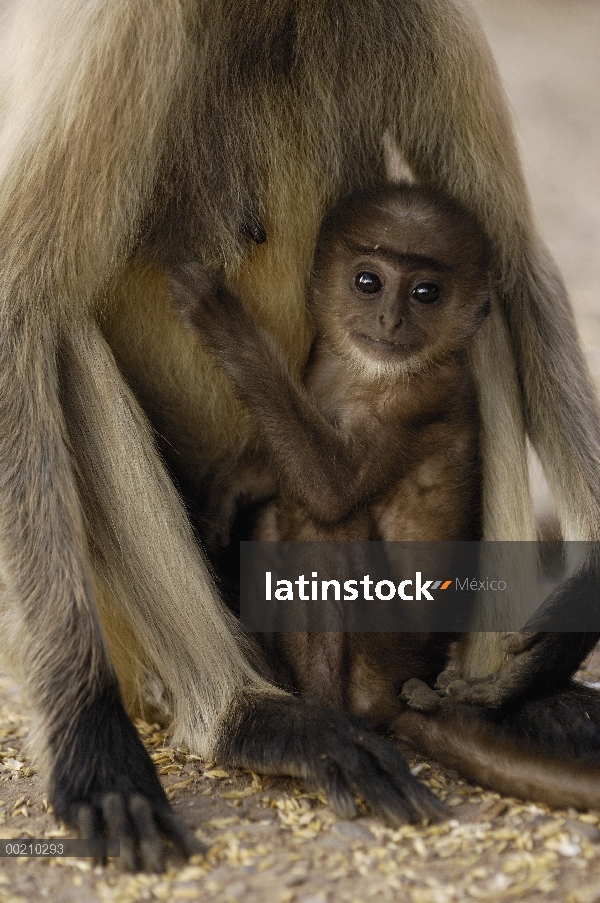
x=427, y=262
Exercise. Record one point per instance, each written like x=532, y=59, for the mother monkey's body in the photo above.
x=135, y=138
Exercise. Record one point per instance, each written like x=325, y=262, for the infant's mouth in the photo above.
x=384, y=343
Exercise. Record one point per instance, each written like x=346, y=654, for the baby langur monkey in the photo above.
x=381, y=439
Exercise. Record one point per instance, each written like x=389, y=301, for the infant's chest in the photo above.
x=357, y=412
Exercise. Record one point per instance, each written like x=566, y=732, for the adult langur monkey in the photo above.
x=138, y=136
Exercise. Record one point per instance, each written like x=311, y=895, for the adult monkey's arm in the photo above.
x=540, y=381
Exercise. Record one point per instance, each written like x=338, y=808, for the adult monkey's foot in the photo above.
x=329, y=751
x=535, y=662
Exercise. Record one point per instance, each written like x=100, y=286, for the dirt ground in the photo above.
x=270, y=841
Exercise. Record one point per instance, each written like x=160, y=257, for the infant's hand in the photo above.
x=207, y=305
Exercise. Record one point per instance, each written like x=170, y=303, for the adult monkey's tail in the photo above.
x=546, y=749
x=472, y=155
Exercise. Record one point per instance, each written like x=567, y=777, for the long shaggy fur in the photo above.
x=138, y=135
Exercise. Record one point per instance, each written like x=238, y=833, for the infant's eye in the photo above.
x=368, y=283
x=426, y=292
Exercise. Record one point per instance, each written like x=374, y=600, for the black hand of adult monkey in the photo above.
x=332, y=751
x=533, y=660
x=135, y=809
x=540, y=655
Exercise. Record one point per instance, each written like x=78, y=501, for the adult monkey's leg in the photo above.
x=472, y=154
x=144, y=550
x=70, y=202
x=101, y=778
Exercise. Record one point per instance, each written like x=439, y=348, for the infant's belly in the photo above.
x=413, y=510
x=429, y=504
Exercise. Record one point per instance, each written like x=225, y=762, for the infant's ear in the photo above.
x=190, y=285
x=397, y=169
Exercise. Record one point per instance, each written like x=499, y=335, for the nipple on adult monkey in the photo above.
x=381, y=441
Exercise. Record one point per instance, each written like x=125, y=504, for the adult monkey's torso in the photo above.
x=285, y=113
